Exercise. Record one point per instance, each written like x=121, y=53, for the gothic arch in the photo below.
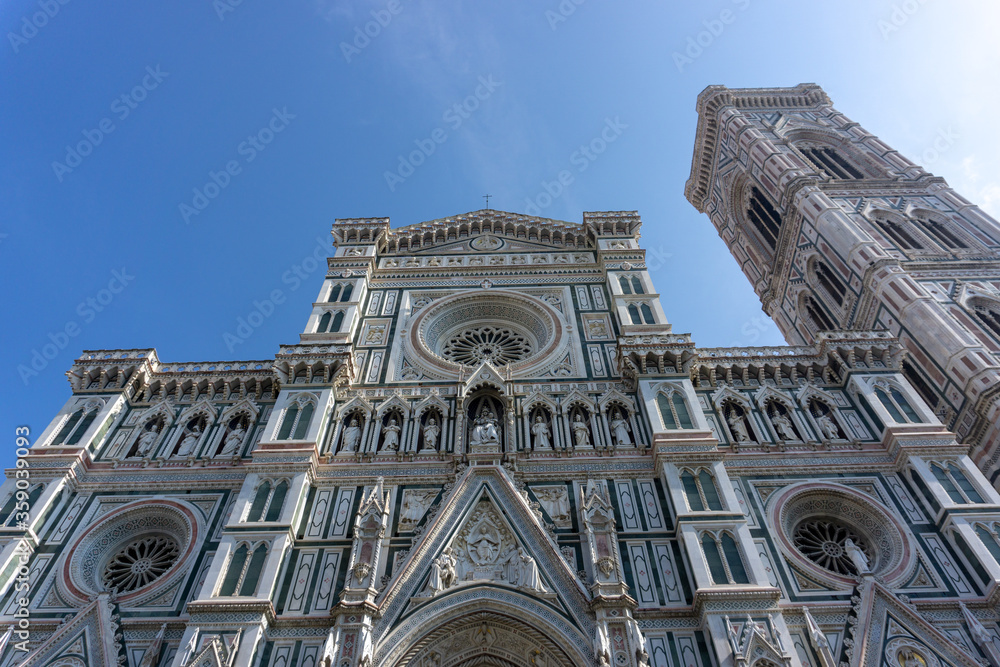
x=799, y=137
x=473, y=625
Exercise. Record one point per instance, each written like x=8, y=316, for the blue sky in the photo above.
x=300, y=115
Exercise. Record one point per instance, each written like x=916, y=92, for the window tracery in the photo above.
x=295, y=423
x=725, y=561
x=245, y=567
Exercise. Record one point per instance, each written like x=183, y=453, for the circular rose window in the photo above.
x=815, y=520
x=498, y=345
x=140, y=563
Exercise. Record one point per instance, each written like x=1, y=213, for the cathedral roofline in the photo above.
x=713, y=100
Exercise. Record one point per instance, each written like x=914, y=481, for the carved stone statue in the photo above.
x=828, y=427
x=541, y=432
x=738, y=427
x=415, y=504
x=485, y=430
x=189, y=442
x=555, y=500
x=581, y=434
x=528, y=572
x=390, y=436
x=352, y=435
x=431, y=432
x=443, y=574
x=146, y=442
x=783, y=425
x=857, y=556
x=619, y=431
x=233, y=441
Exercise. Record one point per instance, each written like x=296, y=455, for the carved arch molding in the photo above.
x=485, y=639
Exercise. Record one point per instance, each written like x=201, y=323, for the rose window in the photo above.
x=823, y=542
x=498, y=345
x=140, y=563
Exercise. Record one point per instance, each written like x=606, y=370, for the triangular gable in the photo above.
x=887, y=625
x=89, y=636
x=486, y=243
x=216, y=651
x=486, y=374
x=401, y=606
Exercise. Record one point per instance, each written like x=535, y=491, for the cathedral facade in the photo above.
x=489, y=447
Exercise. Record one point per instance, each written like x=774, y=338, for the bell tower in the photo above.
x=837, y=231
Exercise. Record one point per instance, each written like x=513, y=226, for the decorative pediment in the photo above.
x=485, y=375
x=356, y=403
x=485, y=543
x=615, y=396
x=432, y=401
x=394, y=402
x=215, y=651
x=92, y=637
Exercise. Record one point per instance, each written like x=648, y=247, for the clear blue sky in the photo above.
x=199, y=79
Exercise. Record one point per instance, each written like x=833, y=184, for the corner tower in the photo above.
x=835, y=230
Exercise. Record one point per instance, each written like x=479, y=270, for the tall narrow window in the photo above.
x=8, y=515
x=244, y=571
x=324, y=323
x=765, y=217
x=260, y=501
x=701, y=491
x=833, y=163
x=291, y=415
x=832, y=283
x=716, y=566
x=346, y=296
x=990, y=539
x=990, y=318
x=725, y=563
x=338, y=321
x=305, y=416
x=626, y=287
x=818, y=315
x=637, y=285
x=74, y=428
x=914, y=377
x=633, y=314
x=955, y=483
x=674, y=411
x=334, y=293
x=277, y=501
x=647, y=313
x=896, y=404
x=942, y=234
x=899, y=234
x=295, y=425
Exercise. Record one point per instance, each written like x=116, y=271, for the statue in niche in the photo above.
x=146, y=442
x=783, y=425
x=738, y=426
x=857, y=556
x=431, y=433
x=540, y=429
x=390, y=436
x=581, y=434
x=189, y=442
x=352, y=436
x=619, y=430
x=827, y=426
x=234, y=440
x=486, y=430
x=443, y=575
x=555, y=500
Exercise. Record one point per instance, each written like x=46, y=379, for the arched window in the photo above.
x=338, y=321
x=295, y=425
x=75, y=426
x=832, y=163
x=941, y=233
x=898, y=233
x=989, y=316
x=674, y=411
x=626, y=288
x=324, y=323
x=765, y=217
x=701, y=491
x=633, y=314
x=15, y=506
x=346, y=295
x=991, y=540
x=821, y=321
x=955, y=483
x=647, y=314
x=268, y=501
x=832, y=283
x=896, y=404
x=637, y=285
x=244, y=570
x=725, y=563
x=334, y=293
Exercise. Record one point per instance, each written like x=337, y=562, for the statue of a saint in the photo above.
x=619, y=431
x=738, y=427
x=485, y=430
x=443, y=573
x=352, y=435
x=581, y=434
x=528, y=575
x=390, y=436
x=189, y=442
x=828, y=427
x=431, y=432
x=783, y=425
x=541, y=432
x=857, y=556
x=233, y=440
x=146, y=442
